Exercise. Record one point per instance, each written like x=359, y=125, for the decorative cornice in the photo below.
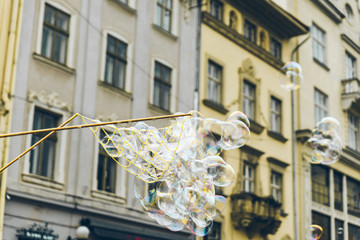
x=241, y=41
x=277, y=162
x=330, y=10
x=277, y=136
x=350, y=157
x=51, y=99
x=303, y=135
x=251, y=150
x=216, y=106
x=256, y=127
x=351, y=43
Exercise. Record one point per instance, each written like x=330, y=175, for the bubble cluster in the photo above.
x=293, y=76
x=178, y=167
x=325, y=144
x=316, y=232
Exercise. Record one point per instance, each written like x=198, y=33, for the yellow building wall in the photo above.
x=10, y=18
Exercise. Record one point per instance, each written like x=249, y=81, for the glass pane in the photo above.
x=157, y=70
x=165, y=97
x=324, y=222
x=111, y=175
x=158, y=15
x=156, y=93
x=167, y=20
x=49, y=15
x=111, y=45
x=62, y=21
x=168, y=3
x=46, y=44
x=120, y=74
x=109, y=69
x=339, y=230
x=121, y=49
x=100, y=173
x=60, y=48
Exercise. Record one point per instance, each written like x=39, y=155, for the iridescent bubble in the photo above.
x=238, y=116
x=324, y=146
x=316, y=232
x=293, y=76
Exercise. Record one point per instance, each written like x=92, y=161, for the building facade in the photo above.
x=107, y=60
x=244, y=45
x=329, y=194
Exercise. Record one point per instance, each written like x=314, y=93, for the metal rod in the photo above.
x=92, y=125
x=37, y=143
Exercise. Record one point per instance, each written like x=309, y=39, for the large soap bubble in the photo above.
x=324, y=146
x=293, y=76
x=184, y=195
x=316, y=232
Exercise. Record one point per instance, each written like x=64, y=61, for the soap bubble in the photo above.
x=178, y=167
x=316, y=232
x=293, y=76
x=324, y=146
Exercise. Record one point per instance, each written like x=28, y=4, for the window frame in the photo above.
x=319, y=44
x=276, y=190
x=70, y=58
x=320, y=105
x=353, y=209
x=129, y=64
x=353, y=131
x=275, y=48
x=248, y=181
x=173, y=101
x=350, y=66
x=218, y=82
x=115, y=57
x=277, y=114
x=319, y=192
x=251, y=100
x=219, y=4
x=164, y=8
x=250, y=31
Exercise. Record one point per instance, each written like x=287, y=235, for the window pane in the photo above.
x=353, y=197
x=354, y=232
x=162, y=86
x=338, y=191
x=62, y=21
x=60, y=48
x=320, y=184
x=49, y=16
x=42, y=158
x=324, y=222
x=46, y=45
x=339, y=230
x=109, y=69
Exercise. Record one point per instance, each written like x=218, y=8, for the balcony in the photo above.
x=255, y=214
x=350, y=93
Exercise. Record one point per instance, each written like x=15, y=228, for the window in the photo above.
x=320, y=184
x=250, y=31
x=115, y=66
x=349, y=13
x=249, y=99
x=214, y=233
x=353, y=131
x=248, y=178
x=276, y=186
x=214, y=82
x=318, y=37
x=354, y=232
x=321, y=109
x=42, y=158
x=324, y=222
x=275, y=115
x=338, y=191
x=339, y=229
x=106, y=171
x=55, y=34
x=162, y=86
x=216, y=9
x=275, y=48
x=350, y=66
x=353, y=197
x=164, y=14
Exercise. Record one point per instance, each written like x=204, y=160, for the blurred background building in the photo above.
x=121, y=59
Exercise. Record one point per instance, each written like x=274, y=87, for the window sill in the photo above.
x=256, y=127
x=52, y=63
x=215, y=106
x=159, y=109
x=277, y=136
x=115, y=89
x=125, y=6
x=42, y=181
x=107, y=196
x=323, y=65
x=163, y=31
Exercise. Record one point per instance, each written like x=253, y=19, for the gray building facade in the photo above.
x=107, y=60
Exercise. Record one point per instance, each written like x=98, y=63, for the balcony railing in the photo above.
x=350, y=92
x=257, y=215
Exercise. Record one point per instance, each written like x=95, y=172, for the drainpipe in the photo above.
x=198, y=59
x=296, y=222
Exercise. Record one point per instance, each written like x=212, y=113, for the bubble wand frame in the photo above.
x=62, y=127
